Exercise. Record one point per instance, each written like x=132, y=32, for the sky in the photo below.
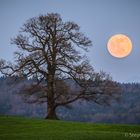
x=98, y=19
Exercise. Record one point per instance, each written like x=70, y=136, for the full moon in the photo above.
x=119, y=46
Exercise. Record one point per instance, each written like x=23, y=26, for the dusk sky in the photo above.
x=98, y=19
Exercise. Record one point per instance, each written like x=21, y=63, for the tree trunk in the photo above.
x=51, y=114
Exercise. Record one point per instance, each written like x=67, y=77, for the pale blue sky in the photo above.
x=98, y=19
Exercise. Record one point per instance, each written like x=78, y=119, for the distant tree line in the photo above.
x=125, y=110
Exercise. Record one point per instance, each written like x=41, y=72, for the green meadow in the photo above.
x=19, y=128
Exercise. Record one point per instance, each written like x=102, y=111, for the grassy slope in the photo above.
x=18, y=128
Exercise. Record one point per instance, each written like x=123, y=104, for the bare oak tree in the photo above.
x=49, y=52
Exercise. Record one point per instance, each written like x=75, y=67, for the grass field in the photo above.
x=18, y=128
